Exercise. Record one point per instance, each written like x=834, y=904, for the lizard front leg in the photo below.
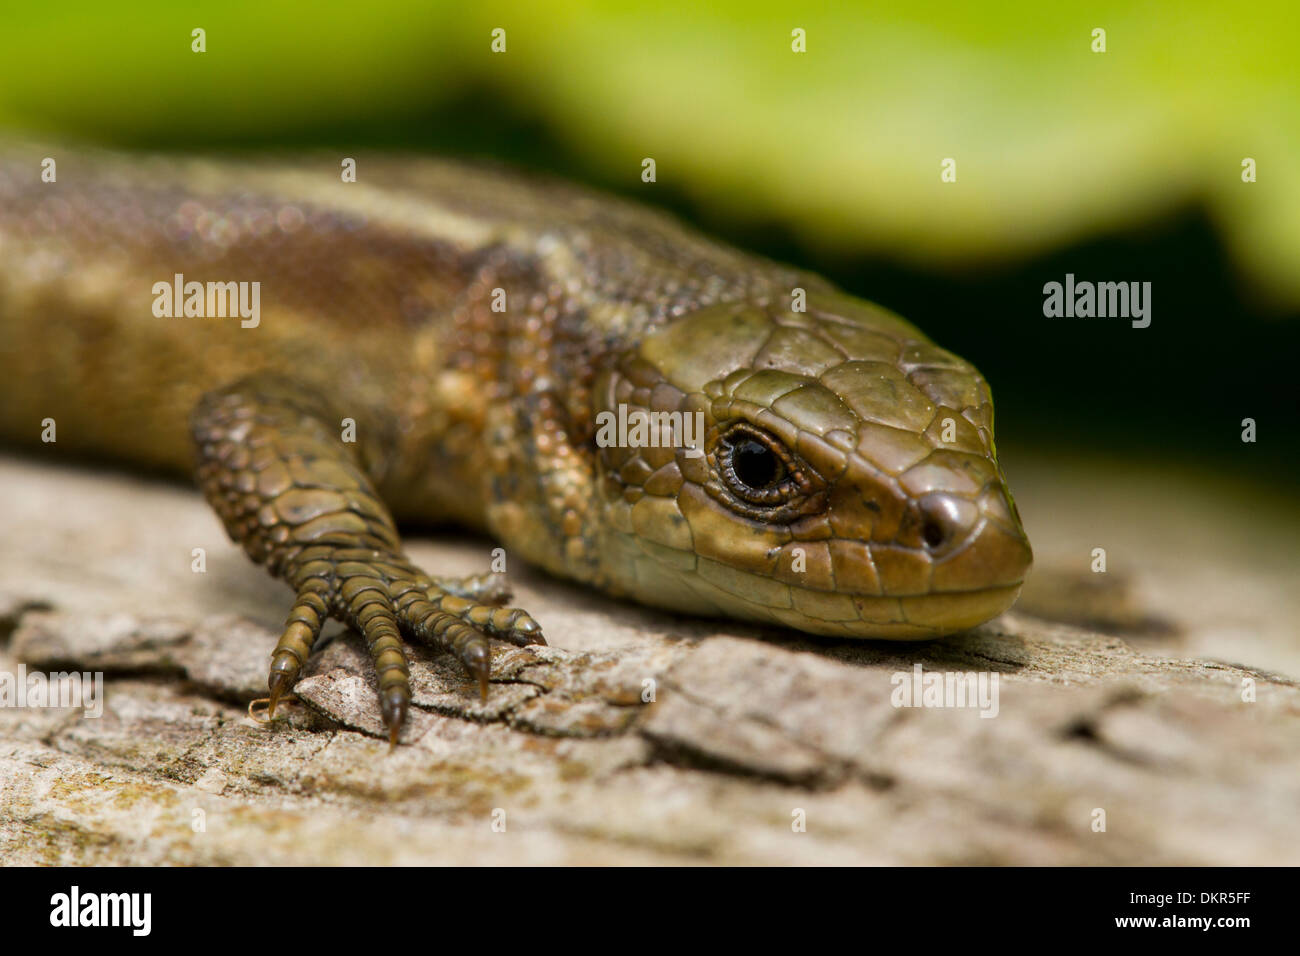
x=301, y=501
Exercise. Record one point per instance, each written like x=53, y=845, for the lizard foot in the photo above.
x=301, y=501
x=463, y=627
x=388, y=601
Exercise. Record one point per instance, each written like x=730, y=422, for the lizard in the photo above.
x=442, y=341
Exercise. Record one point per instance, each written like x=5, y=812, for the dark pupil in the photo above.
x=755, y=464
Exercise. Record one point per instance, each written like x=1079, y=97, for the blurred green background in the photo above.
x=1116, y=166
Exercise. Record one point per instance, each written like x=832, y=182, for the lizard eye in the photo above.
x=755, y=466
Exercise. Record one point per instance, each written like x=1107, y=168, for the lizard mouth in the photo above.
x=889, y=617
x=919, y=616
x=925, y=585
x=950, y=579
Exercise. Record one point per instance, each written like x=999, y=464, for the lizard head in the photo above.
x=829, y=470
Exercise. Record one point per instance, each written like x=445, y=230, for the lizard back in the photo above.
x=383, y=288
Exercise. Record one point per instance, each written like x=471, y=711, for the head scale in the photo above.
x=844, y=479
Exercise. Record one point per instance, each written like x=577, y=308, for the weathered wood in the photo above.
x=749, y=730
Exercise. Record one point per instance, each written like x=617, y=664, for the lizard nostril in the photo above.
x=933, y=533
x=945, y=519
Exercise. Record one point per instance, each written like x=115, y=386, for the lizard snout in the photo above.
x=973, y=544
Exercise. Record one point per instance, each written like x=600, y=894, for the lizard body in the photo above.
x=479, y=329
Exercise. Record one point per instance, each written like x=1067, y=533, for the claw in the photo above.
x=279, y=684
x=478, y=661
x=531, y=632
x=393, y=709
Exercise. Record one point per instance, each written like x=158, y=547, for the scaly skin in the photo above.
x=847, y=481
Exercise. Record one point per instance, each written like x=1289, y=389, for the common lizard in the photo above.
x=473, y=330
